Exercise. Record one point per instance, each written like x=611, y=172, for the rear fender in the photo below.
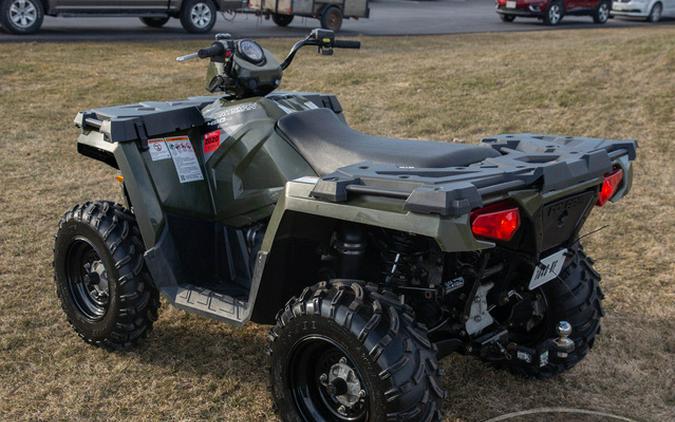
x=299, y=220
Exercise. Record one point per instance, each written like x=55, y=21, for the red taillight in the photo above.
x=497, y=221
x=609, y=186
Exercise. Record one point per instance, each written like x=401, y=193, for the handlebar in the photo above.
x=217, y=49
x=322, y=38
x=346, y=44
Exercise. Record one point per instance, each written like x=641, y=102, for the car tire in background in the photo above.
x=331, y=18
x=198, y=16
x=282, y=20
x=601, y=13
x=655, y=13
x=507, y=18
x=554, y=13
x=155, y=22
x=21, y=16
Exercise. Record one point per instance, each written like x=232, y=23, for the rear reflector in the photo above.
x=609, y=186
x=495, y=221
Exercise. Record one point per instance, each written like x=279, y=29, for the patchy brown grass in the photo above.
x=607, y=83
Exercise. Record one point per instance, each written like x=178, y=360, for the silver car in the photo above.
x=651, y=10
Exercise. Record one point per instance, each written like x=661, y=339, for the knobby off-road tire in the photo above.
x=102, y=237
x=378, y=336
x=575, y=296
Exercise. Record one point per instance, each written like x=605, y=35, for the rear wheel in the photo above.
x=554, y=13
x=101, y=280
x=282, y=20
x=601, y=14
x=655, y=13
x=21, y=16
x=575, y=297
x=155, y=22
x=331, y=18
x=507, y=18
x=198, y=16
x=345, y=351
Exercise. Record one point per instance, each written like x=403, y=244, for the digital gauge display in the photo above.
x=251, y=51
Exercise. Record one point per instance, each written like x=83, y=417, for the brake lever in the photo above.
x=187, y=57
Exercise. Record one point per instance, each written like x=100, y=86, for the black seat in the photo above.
x=327, y=143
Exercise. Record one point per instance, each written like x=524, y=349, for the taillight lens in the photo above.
x=610, y=184
x=497, y=221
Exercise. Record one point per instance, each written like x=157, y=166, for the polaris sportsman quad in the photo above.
x=372, y=257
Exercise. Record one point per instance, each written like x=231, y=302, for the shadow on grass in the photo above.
x=205, y=347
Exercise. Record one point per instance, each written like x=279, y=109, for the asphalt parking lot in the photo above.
x=388, y=17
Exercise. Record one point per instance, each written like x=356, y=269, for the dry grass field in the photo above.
x=605, y=83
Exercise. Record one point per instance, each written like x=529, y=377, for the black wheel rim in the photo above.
x=312, y=357
x=87, y=280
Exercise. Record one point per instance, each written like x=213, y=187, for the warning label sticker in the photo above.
x=184, y=159
x=158, y=149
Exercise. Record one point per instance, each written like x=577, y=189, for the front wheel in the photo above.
x=101, y=280
x=21, y=16
x=507, y=18
x=554, y=13
x=655, y=13
x=345, y=351
x=198, y=16
x=601, y=14
x=155, y=22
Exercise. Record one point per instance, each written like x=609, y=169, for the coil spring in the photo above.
x=401, y=255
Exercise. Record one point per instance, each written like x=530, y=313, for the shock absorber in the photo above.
x=401, y=254
x=350, y=243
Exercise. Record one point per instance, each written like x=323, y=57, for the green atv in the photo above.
x=372, y=257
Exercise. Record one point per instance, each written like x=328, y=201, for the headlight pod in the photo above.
x=250, y=51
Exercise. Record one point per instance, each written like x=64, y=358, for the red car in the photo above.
x=552, y=11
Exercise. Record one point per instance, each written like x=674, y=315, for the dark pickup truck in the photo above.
x=197, y=16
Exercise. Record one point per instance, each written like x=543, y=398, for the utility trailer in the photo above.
x=330, y=13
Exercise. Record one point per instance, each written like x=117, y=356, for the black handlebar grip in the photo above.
x=346, y=44
x=217, y=49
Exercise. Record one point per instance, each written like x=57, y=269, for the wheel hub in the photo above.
x=343, y=384
x=22, y=13
x=96, y=280
x=200, y=15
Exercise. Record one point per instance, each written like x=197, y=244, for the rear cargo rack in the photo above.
x=543, y=162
